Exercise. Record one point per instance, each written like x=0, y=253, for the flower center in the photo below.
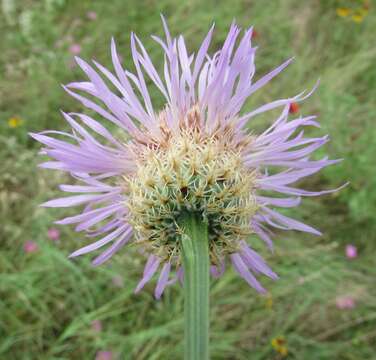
x=190, y=174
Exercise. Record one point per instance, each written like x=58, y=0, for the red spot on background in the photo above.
x=294, y=108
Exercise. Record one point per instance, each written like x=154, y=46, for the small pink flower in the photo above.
x=351, y=251
x=103, y=355
x=117, y=281
x=75, y=49
x=345, y=302
x=96, y=325
x=53, y=234
x=30, y=247
x=91, y=15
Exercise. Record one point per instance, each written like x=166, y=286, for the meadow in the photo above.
x=323, y=307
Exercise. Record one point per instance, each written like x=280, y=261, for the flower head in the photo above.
x=351, y=251
x=96, y=325
x=53, y=234
x=269, y=302
x=194, y=155
x=75, y=49
x=255, y=34
x=343, y=11
x=104, y=355
x=294, y=108
x=91, y=15
x=15, y=122
x=356, y=14
x=279, y=344
x=358, y=18
x=30, y=247
x=345, y=302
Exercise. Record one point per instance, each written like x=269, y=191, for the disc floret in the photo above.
x=191, y=173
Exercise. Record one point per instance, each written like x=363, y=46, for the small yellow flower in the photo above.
x=357, y=18
x=14, y=122
x=279, y=345
x=278, y=342
x=269, y=302
x=343, y=12
x=283, y=350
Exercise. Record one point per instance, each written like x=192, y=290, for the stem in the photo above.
x=195, y=251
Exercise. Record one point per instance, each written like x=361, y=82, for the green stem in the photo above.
x=195, y=251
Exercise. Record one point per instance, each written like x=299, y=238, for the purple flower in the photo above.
x=53, y=234
x=104, y=355
x=196, y=154
x=75, y=49
x=91, y=15
x=96, y=325
x=351, y=251
x=345, y=302
x=30, y=247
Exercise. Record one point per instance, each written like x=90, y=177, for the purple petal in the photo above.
x=163, y=280
x=290, y=223
x=102, y=242
x=243, y=271
x=255, y=262
x=70, y=201
x=150, y=269
x=107, y=254
x=217, y=270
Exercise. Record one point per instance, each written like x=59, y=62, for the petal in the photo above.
x=101, y=242
x=163, y=280
x=243, y=271
x=107, y=254
x=150, y=269
x=70, y=201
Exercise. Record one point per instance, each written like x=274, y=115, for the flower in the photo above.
x=356, y=14
x=358, y=18
x=343, y=12
x=30, y=247
x=269, y=302
x=96, y=325
x=294, y=108
x=91, y=15
x=279, y=345
x=75, y=49
x=195, y=154
x=53, y=234
x=345, y=302
x=351, y=251
x=104, y=355
x=14, y=122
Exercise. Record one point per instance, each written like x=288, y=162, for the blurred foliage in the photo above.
x=47, y=301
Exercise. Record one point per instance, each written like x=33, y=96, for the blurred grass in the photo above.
x=47, y=302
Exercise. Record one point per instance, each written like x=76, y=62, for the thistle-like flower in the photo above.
x=194, y=155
